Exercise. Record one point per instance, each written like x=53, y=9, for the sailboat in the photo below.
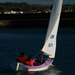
x=49, y=47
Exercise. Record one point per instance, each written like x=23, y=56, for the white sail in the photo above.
x=49, y=47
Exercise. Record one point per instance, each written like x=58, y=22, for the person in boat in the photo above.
x=22, y=58
x=31, y=62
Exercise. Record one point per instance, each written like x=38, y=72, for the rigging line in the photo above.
x=36, y=54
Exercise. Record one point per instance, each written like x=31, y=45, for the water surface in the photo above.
x=30, y=41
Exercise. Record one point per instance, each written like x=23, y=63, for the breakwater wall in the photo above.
x=34, y=20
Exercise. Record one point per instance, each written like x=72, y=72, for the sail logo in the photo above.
x=52, y=36
x=50, y=45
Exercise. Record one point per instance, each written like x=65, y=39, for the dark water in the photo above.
x=30, y=41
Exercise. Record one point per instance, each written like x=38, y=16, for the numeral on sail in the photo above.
x=50, y=45
x=52, y=36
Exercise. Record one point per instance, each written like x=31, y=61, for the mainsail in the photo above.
x=49, y=47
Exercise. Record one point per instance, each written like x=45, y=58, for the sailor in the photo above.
x=29, y=61
x=22, y=58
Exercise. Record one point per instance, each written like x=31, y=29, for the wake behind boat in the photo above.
x=49, y=47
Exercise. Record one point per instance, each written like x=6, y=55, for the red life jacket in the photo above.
x=22, y=59
x=29, y=63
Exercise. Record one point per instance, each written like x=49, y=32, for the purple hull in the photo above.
x=44, y=64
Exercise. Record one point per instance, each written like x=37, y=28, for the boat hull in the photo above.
x=22, y=67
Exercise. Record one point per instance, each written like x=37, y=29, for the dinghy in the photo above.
x=49, y=47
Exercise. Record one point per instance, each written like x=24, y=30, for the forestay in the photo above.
x=49, y=47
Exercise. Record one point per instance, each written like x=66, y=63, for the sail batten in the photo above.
x=49, y=47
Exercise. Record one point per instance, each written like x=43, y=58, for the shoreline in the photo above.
x=35, y=20
x=35, y=23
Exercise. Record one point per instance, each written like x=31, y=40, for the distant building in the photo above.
x=47, y=11
x=7, y=13
x=13, y=12
x=66, y=11
x=10, y=12
x=21, y=12
x=35, y=11
x=39, y=12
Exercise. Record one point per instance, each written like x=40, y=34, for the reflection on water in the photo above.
x=26, y=73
